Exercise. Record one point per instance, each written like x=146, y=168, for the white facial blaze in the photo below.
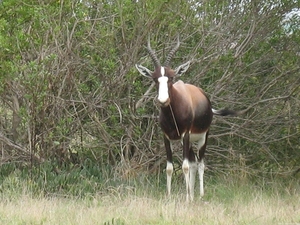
x=163, y=93
x=162, y=71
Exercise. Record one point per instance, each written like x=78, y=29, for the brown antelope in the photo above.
x=185, y=114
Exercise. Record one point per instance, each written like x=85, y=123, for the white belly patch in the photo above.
x=200, y=138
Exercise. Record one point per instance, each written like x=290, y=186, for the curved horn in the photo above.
x=172, y=52
x=152, y=54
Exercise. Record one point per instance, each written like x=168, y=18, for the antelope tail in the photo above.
x=224, y=112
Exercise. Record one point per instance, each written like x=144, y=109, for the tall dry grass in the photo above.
x=224, y=203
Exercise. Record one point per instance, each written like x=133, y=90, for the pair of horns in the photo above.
x=169, y=57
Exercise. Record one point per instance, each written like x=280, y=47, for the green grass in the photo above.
x=142, y=200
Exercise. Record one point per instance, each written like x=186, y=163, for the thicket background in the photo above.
x=71, y=96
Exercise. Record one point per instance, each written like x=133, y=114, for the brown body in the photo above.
x=191, y=109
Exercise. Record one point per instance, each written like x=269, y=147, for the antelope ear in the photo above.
x=182, y=68
x=144, y=71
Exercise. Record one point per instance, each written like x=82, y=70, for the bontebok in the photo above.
x=185, y=114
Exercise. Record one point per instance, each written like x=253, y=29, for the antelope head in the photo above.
x=163, y=76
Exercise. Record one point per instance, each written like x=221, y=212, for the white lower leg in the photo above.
x=169, y=171
x=185, y=169
x=193, y=171
x=201, y=167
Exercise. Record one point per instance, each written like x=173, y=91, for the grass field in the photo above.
x=225, y=202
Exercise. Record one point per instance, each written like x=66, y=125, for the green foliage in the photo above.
x=81, y=182
x=115, y=221
x=48, y=179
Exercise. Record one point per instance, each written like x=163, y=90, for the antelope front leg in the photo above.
x=169, y=169
x=201, y=167
x=186, y=164
x=192, y=171
x=185, y=169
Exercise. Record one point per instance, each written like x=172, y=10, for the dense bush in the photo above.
x=70, y=94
